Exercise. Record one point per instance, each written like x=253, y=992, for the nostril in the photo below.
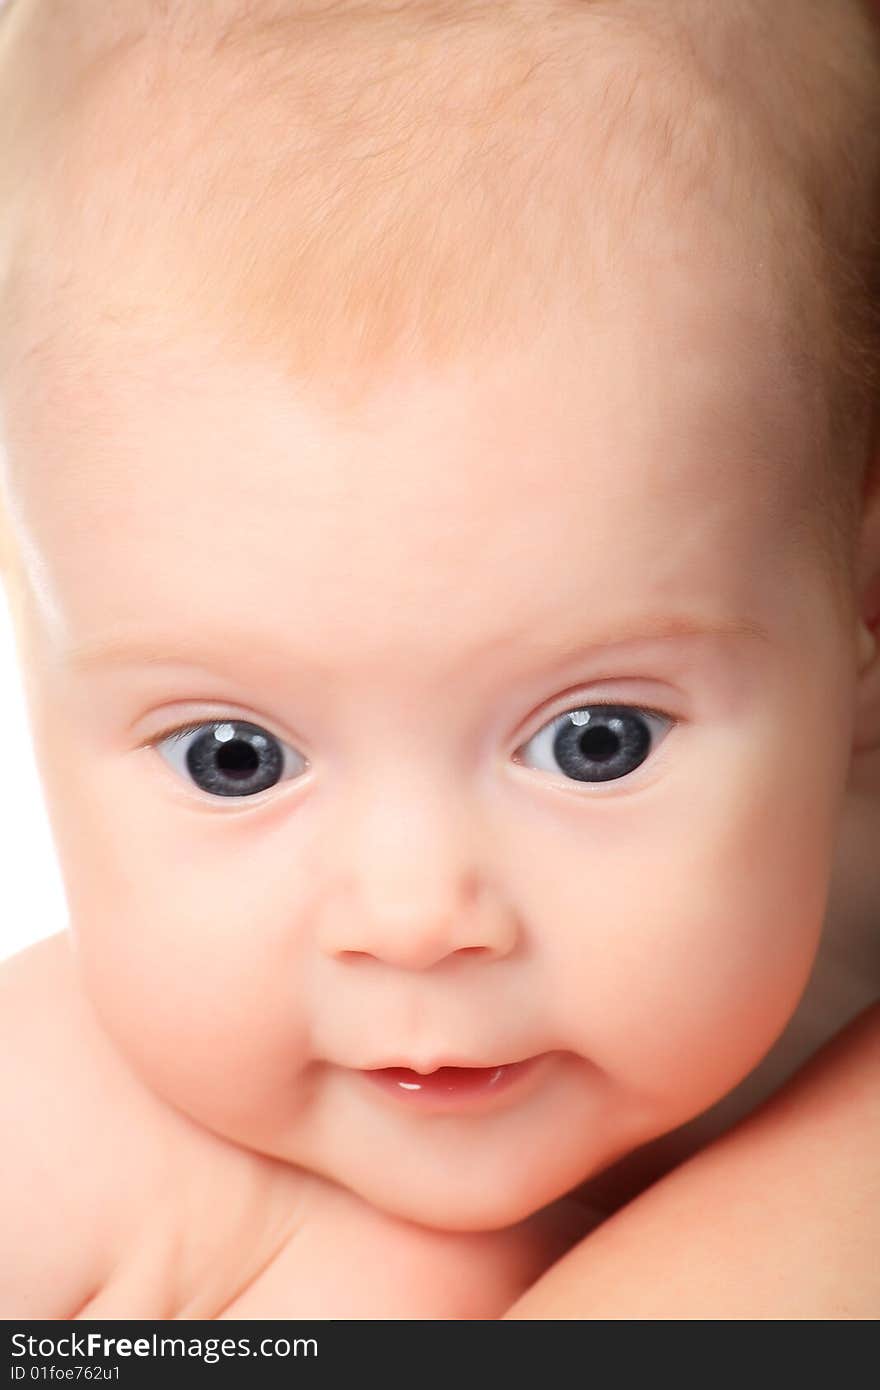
x=471, y=950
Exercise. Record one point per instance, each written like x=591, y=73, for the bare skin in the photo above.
x=423, y=880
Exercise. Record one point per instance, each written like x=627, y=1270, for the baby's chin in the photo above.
x=455, y=1197
x=454, y=1207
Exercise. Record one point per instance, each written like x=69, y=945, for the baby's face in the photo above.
x=416, y=838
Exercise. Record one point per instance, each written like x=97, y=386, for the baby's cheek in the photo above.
x=689, y=969
x=188, y=990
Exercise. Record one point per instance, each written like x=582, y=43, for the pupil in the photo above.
x=599, y=743
x=237, y=758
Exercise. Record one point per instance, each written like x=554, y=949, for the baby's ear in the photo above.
x=867, y=727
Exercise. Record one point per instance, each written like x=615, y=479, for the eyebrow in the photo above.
x=164, y=650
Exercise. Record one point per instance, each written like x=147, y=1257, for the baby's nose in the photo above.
x=419, y=933
x=414, y=889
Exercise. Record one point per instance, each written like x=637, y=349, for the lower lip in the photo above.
x=449, y=1088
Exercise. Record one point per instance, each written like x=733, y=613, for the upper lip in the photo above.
x=425, y=1068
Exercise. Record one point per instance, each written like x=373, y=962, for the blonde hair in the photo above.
x=362, y=182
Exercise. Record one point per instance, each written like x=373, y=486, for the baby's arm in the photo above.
x=778, y=1219
x=53, y=1230
x=83, y=1158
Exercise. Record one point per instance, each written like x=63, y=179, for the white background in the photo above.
x=32, y=903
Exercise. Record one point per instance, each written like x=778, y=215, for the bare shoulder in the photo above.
x=778, y=1219
x=61, y=1067
x=81, y=1140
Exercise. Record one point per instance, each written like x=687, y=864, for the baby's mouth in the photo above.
x=449, y=1088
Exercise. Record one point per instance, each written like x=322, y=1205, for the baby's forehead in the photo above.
x=678, y=354
x=670, y=352
x=573, y=471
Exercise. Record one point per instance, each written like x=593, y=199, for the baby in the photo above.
x=440, y=465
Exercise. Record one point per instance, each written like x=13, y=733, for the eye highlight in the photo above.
x=597, y=742
x=230, y=757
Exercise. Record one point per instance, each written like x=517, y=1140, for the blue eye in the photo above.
x=235, y=758
x=597, y=742
x=230, y=757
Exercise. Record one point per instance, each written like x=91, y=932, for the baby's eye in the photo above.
x=228, y=757
x=233, y=757
x=597, y=742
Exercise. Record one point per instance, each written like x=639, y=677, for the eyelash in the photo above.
x=614, y=700
x=178, y=732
